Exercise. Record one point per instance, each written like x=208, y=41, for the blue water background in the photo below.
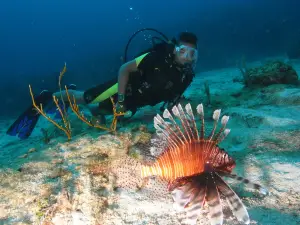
x=37, y=37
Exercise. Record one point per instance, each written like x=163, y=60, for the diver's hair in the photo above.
x=187, y=37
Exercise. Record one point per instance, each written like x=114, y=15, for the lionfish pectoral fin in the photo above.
x=236, y=205
x=193, y=208
x=182, y=196
x=252, y=185
x=213, y=200
x=189, y=196
x=180, y=200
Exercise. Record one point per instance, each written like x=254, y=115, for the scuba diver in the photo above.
x=159, y=74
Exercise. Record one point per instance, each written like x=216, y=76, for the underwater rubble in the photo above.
x=62, y=182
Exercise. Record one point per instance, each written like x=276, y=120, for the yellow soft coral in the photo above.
x=66, y=127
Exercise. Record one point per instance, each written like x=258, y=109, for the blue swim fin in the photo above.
x=27, y=121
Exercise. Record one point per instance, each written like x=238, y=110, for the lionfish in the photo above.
x=193, y=165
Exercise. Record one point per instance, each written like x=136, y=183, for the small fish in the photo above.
x=193, y=165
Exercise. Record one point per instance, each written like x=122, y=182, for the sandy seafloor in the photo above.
x=57, y=183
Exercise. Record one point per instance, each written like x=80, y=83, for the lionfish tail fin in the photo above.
x=250, y=184
x=236, y=205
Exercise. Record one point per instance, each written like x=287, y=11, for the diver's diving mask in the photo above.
x=187, y=52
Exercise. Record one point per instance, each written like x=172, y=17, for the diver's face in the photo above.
x=186, y=53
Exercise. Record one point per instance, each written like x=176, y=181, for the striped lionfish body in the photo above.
x=193, y=165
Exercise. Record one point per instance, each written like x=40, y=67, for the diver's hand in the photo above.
x=120, y=108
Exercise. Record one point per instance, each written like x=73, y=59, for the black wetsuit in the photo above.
x=158, y=79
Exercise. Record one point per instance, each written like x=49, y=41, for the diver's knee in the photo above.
x=94, y=109
x=61, y=95
x=78, y=95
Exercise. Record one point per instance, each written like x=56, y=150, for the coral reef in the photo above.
x=58, y=182
x=272, y=72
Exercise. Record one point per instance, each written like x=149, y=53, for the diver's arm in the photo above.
x=124, y=72
x=143, y=63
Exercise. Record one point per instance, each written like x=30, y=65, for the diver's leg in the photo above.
x=78, y=95
x=94, y=109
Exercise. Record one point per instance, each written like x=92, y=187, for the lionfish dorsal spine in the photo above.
x=200, y=111
x=177, y=131
x=218, y=138
x=163, y=129
x=182, y=116
x=179, y=128
x=216, y=116
x=186, y=124
x=189, y=111
x=178, y=113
